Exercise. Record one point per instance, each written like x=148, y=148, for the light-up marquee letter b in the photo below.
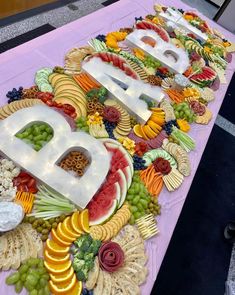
x=176, y=59
x=42, y=164
x=111, y=78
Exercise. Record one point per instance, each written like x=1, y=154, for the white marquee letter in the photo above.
x=42, y=164
x=175, y=59
x=110, y=77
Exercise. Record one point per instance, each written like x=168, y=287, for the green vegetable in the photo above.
x=88, y=256
x=94, y=247
x=78, y=264
x=19, y=286
x=82, y=275
x=49, y=204
x=13, y=278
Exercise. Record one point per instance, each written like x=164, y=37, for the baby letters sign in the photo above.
x=43, y=164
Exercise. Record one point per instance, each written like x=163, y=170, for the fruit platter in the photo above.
x=88, y=150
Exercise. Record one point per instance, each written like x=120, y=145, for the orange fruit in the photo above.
x=57, y=268
x=143, y=133
x=67, y=228
x=62, y=288
x=61, y=234
x=56, y=249
x=83, y=221
x=75, y=224
x=54, y=258
x=77, y=289
x=137, y=130
x=64, y=277
x=58, y=240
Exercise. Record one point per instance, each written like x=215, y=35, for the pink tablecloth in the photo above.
x=17, y=67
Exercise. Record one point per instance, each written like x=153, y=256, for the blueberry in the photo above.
x=20, y=88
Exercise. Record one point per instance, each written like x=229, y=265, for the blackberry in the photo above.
x=138, y=163
x=101, y=38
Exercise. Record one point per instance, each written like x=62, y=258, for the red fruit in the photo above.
x=50, y=103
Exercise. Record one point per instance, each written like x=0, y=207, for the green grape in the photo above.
x=33, y=292
x=23, y=277
x=133, y=209
x=46, y=290
x=13, y=278
x=33, y=261
x=140, y=207
x=144, y=203
x=32, y=279
x=137, y=215
x=28, y=286
x=23, y=269
x=129, y=197
x=46, y=276
x=135, y=200
x=19, y=286
x=132, y=220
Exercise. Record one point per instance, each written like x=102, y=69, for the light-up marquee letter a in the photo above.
x=175, y=59
x=111, y=78
x=42, y=164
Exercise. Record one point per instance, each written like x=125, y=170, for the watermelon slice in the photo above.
x=98, y=216
x=145, y=25
x=128, y=175
x=102, y=205
x=120, y=178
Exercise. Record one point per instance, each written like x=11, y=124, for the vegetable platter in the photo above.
x=56, y=240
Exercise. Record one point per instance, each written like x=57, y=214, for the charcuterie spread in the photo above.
x=86, y=152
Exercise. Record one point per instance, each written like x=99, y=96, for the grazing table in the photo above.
x=18, y=66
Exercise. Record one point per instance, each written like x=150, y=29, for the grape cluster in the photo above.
x=81, y=124
x=183, y=111
x=87, y=292
x=168, y=126
x=32, y=275
x=101, y=38
x=109, y=126
x=138, y=198
x=36, y=135
x=14, y=94
x=138, y=163
x=150, y=62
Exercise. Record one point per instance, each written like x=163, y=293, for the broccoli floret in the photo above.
x=94, y=247
x=90, y=264
x=79, y=255
x=88, y=256
x=83, y=239
x=82, y=274
x=78, y=264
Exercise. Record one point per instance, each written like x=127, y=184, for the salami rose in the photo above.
x=162, y=165
x=111, y=114
x=111, y=256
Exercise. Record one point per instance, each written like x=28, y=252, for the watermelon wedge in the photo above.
x=145, y=25
x=119, y=177
x=104, y=204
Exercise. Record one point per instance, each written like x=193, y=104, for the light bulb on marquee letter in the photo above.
x=42, y=164
x=111, y=78
x=172, y=57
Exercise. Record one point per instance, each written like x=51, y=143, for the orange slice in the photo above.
x=62, y=288
x=56, y=249
x=83, y=221
x=58, y=240
x=74, y=223
x=61, y=234
x=57, y=268
x=137, y=130
x=54, y=258
x=143, y=132
x=67, y=228
x=64, y=277
x=77, y=289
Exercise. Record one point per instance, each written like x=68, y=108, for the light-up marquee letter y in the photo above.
x=176, y=59
x=111, y=78
x=42, y=164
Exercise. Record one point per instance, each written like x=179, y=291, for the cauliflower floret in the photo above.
x=15, y=172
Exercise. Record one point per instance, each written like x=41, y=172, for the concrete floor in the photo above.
x=203, y=6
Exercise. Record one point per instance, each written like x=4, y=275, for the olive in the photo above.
x=62, y=217
x=45, y=231
x=40, y=221
x=39, y=229
x=35, y=224
x=54, y=225
x=44, y=225
x=32, y=219
x=52, y=220
x=44, y=238
x=57, y=219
